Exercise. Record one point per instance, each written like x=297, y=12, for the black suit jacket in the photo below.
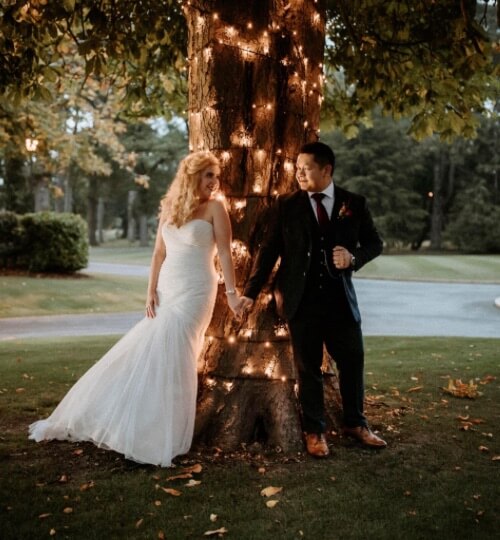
x=289, y=237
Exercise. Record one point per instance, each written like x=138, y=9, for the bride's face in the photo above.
x=209, y=182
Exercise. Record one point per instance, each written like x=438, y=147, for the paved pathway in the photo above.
x=391, y=308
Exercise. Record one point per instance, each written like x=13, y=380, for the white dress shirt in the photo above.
x=327, y=201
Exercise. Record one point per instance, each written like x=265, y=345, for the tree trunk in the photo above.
x=92, y=211
x=42, y=196
x=100, y=220
x=143, y=230
x=437, y=202
x=131, y=221
x=255, y=90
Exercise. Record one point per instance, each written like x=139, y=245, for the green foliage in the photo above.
x=431, y=61
x=54, y=242
x=475, y=221
x=10, y=236
x=138, y=46
x=384, y=165
x=396, y=174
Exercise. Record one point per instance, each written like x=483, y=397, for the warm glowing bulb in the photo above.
x=231, y=339
x=267, y=344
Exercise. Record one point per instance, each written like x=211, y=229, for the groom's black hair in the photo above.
x=323, y=154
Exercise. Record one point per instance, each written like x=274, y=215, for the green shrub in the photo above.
x=54, y=242
x=10, y=238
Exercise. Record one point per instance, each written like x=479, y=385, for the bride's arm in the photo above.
x=223, y=238
x=159, y=254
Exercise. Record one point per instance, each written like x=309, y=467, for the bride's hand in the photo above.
x=152, y=303
x=234, y=303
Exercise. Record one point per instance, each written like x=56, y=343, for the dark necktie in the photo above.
x=323, y=219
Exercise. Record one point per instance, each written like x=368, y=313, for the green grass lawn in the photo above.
x=437, y=479
x=426, y=267
x=121, y=252
x=461, y=268
x=26, y=295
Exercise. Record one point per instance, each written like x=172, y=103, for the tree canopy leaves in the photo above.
x=432, y=61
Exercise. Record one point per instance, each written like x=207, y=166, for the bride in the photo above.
x=139, y=399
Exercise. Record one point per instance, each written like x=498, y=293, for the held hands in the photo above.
x=342, y=258
x=238, y=304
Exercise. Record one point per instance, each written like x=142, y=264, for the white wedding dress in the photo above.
x=139, y=399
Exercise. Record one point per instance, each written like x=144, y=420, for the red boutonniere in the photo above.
x=344, y=211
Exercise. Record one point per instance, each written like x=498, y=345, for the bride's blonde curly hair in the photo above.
x=183, y=196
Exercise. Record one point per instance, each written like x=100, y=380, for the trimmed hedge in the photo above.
x=44, y=242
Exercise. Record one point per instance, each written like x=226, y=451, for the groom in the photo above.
x=321, y=233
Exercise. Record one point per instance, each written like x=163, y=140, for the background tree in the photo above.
x=388, y=167
x=256, y=83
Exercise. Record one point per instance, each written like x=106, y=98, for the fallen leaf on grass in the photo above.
x=193, y=483
x=139, y=523
x=495, y=458
x=161, y=535
x=179, y=477
x=462, y=390
x=63, y=479
x=272, y=503
x=218, y=532
x=213, y=517
x=196, y=469
x=78, y=452
x=43, y=516
x=19, y=390
x=171, y=491
x=415, y=389
x=262, y=470
x=157, y=503
x=87, y=485
x=270, y=491
x=68, y=510
x=52, y=532
x=484, y=449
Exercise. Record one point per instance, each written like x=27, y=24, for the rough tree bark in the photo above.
x=255, y=86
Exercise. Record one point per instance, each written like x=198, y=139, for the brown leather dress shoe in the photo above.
x=316, y=445
x=365, y=436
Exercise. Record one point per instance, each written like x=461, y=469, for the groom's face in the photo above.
x=310, y=175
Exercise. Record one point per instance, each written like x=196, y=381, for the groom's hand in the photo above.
x=245, y=304
x=341, y=257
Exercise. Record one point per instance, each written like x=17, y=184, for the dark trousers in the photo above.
x=325, y=319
